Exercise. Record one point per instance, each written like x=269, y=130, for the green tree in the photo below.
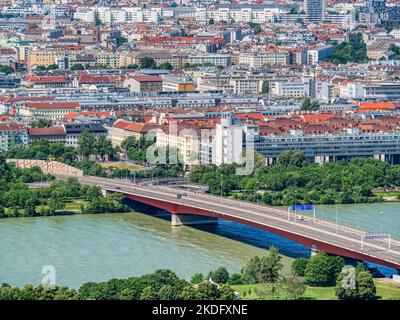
x=291, y=158
x=120, y=41
x=265, y=87
x=251, y=270
x=148, y=293
x=165, y=66
x=147, y=63
x=86, y=144
x=52, y=67
x=220, y=275
x=77, y=67
x=309, y=105
x=42, y=123
x=270, y=266
x=353, y=284
x=126, y=294
x=322, y=270
x=104, y=147
x=207, y=291
x=365, y=286
x=354, y=50
x=299, y=266
x=294, y=286
x=168, y=292
x=197, y=278
x=133, y=66
x=6, y=69
x=188, y=293
x=226, y=292
x=235, y=279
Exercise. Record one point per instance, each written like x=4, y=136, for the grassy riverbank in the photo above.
x=384, y=291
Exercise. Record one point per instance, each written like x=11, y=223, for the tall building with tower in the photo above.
x=376, y=6
x=315, y=10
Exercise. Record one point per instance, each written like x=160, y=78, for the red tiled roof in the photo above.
x=143, y=78
x=377, y=105
x=12, y=127
x=71, y=115
x=317, y=117
x=37, y=79
x=5, y=118
x=52, y=105
x=87, y=78
x=52, y=131
x=134, y=127
x=18, y=99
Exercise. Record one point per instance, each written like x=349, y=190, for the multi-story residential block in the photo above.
x=51, y=134
x=332, y=147
x=143, y=83
x=222, y=60
x=48, y=110
x=74, y=131
x=243, y=14
x=9, y=81
x=293, y=89
x=315, y=10
x=12, y=135
x=318, y=54
x=185, y=141
x=246, y=85
x=264, y=58
x=178, y=84
x=121, y=130
x=228, y=142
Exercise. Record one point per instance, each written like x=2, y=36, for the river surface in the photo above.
x=86, y=248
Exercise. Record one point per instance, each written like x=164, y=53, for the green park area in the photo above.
x=384, y=291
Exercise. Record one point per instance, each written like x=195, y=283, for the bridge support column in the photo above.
x=314, y=250
x=104, y=192
x=190, y=219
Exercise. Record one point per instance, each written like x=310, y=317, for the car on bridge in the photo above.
x=181, y=194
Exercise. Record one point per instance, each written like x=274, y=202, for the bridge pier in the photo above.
x=190, y=219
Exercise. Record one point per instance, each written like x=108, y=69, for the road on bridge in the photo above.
x=344, y=239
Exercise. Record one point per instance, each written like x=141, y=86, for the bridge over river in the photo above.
x=196, y=208
x=199, y=208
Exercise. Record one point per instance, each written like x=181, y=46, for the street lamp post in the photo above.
x=336, y=217
x=314, y=213
x=221, y=190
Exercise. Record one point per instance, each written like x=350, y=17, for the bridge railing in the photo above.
x=332, y=225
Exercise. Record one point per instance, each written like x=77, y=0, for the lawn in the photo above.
x=74, y=204
x=120, y=165
x=388, y=196
x=384, y=291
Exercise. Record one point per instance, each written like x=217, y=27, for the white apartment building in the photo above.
x=292, y=89
x=228, y=142
x=245, y=15
x=111, y=16
x=246, y=85
x=370, y=90
x=223, y=60
x=259, y=59
x=395, y=33
x=186, y=143
x=85, y=14
x=319, y=54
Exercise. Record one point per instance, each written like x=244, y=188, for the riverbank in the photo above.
x=384, y=291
